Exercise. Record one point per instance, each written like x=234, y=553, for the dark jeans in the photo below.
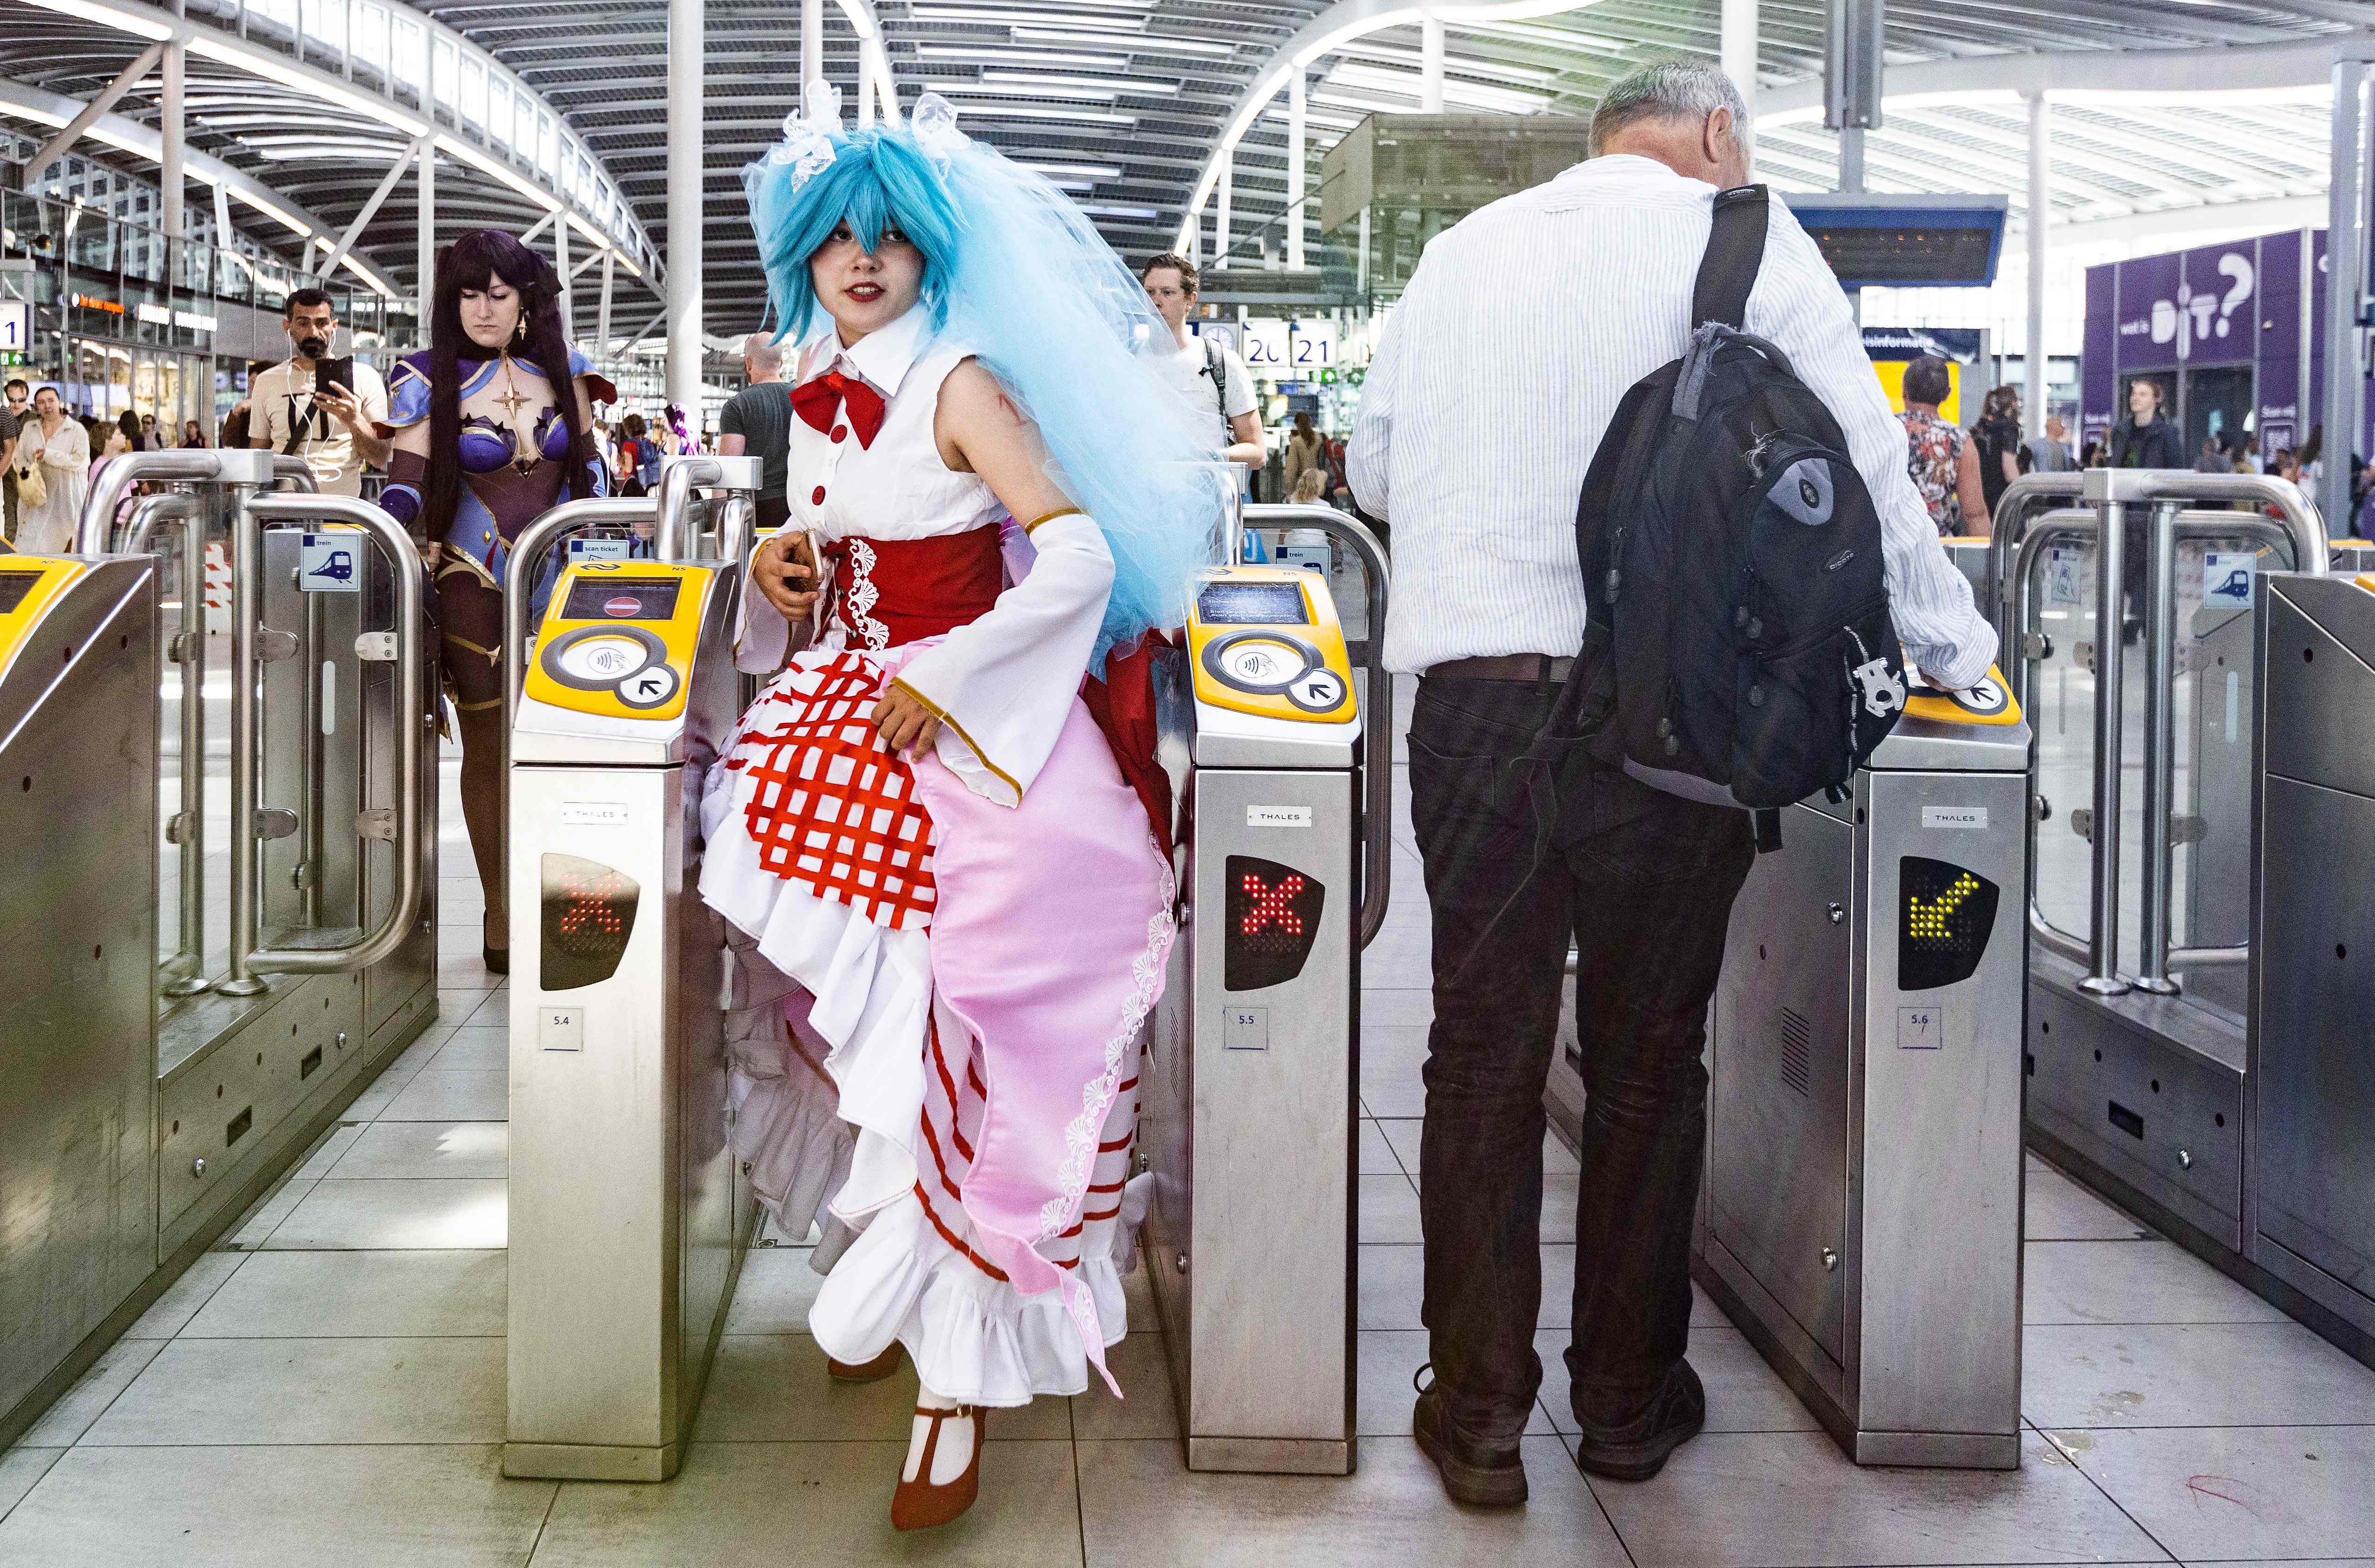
x=1644, y=882
x=773, y=510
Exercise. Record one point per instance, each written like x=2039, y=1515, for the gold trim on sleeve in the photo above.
x=974, y=747
x=1049, y=517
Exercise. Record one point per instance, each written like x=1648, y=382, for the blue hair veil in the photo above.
x=1015, y=271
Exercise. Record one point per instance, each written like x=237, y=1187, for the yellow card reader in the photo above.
x=29, y=585
x=618, y=639
x=1988, y=701
x=1265, y=639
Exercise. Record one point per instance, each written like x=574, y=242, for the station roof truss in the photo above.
x=313, y=100
x=1127, y=103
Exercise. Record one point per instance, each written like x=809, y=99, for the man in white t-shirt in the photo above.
x=1214, y=377
x=331, y=427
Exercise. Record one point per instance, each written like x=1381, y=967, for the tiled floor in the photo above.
x=326, y=1389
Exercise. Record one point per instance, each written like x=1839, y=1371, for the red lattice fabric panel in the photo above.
x=831, y=810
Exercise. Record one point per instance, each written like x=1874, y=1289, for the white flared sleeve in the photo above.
x=1002, y=685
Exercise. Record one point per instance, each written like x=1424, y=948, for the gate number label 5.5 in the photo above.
x=1245, y=1029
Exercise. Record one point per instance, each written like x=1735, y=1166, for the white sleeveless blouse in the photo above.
x=1004, y=684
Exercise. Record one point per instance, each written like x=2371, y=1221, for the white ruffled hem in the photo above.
x=973, y=1338
x=871, y=989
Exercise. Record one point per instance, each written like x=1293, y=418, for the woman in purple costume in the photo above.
x=484, y=446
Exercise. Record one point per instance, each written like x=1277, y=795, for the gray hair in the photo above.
x=1671, y=89
x=763, y=352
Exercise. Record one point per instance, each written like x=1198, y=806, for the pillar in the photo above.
x=1296, y=94
x=686, y=175
x=2040, y=212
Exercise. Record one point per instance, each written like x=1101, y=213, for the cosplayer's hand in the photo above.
x=904, y=724
x=784, y=572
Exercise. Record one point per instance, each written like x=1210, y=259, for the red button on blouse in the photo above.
x=816, y=496
x=840, y=433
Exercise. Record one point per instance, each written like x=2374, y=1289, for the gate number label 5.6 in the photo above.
x=1917, y=1029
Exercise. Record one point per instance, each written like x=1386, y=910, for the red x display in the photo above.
x=1273, y=918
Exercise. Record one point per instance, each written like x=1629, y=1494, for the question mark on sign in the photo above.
x=2233, y=265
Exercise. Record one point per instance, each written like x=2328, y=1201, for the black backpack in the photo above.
x=1732, y=557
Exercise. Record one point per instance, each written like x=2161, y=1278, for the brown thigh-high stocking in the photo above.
x=473, y=614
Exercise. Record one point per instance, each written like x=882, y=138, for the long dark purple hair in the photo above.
x=472, y=263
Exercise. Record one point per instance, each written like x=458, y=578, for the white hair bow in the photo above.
x=808, y=133
x=934, y=123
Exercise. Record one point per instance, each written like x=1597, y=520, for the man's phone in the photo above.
x=338, y=372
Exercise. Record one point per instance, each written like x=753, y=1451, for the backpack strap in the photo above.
x=1735, y=250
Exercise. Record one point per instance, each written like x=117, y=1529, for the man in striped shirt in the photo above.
x=1495, y=380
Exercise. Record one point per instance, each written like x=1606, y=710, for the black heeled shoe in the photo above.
x=497, y=960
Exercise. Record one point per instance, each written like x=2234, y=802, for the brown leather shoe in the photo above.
x=874, y=1371
x=920, y=1505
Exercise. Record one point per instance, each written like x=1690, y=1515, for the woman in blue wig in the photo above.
x=938, y=835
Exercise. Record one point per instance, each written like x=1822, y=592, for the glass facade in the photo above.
x=119, y=321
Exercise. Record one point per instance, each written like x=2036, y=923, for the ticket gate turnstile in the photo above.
x=629, y=1212
x=2309, y=1198
x=1862, y=1198
x=1250, y=1108
x=154, y=1097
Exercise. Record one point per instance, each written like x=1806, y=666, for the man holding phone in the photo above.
x=317, y=407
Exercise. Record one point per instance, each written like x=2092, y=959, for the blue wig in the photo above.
x=875, y=181
x=1015, y=272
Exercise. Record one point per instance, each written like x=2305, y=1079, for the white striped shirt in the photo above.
x=1503, y=364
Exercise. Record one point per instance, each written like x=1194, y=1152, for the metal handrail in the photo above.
x=2298, y=512
x=1377, y=809
x=247, y=960
x=240, y=467
x=184, y=974
x=2003, y=538
x=2301, y=533
x=672, y=539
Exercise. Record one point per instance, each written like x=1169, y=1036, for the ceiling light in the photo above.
x=1100, y=86
x=1077, y=170
x=1562, y=38
x=1022, y=18
x=1142, y=212
x=995, y=90
x=1020, y=57
x=1144, y=44
x=108, y=17
x=1029, y=112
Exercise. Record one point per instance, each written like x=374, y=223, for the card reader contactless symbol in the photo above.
x=602, y=658
x=1269, y=663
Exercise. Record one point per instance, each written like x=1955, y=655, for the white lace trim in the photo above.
x=1097, y=1098
x=864, y=596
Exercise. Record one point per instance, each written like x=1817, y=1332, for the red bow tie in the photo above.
x=817, y=401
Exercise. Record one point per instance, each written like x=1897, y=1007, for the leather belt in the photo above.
x=1504, y=666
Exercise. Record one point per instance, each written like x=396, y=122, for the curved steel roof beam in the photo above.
x=157, y=24
x=145, y=141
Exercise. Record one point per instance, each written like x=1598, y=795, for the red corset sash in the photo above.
x=887, y=592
